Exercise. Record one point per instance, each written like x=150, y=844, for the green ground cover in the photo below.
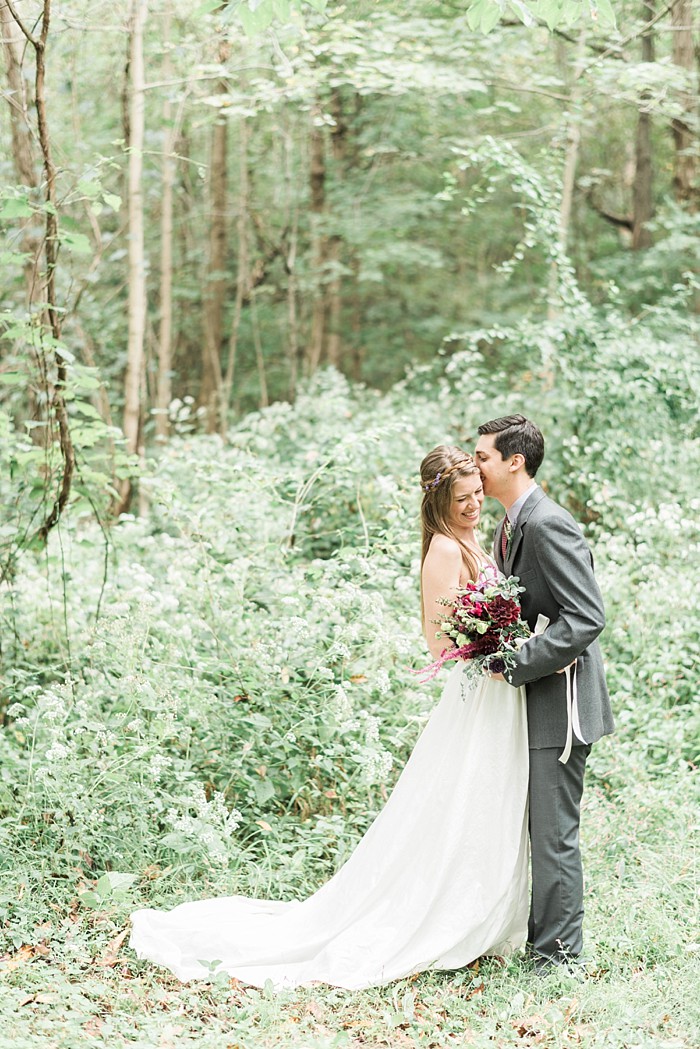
x=236, y=713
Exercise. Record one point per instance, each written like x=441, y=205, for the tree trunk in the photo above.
x=215, y=279
x=317, y=176
x=573, y=142
x=334, y=340
x=293, y=341
x=642, y=199
x=51, y=314
x=294, y=345
x=242, y=274
x=23, y=152
x=165, y=330
x=259, y=356
x=137, y=268
x=334, y=297
x=358, y=349
x=326, y=317
x=685, y=161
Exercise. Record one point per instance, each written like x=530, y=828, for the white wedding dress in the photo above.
x=440, y=878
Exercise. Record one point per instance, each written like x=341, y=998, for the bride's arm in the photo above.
x=440, y=579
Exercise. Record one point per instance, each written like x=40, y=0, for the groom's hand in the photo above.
x=563, y=669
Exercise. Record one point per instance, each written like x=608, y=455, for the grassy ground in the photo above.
x=79, y=984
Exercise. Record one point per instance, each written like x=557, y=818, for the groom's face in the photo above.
x=495, y=472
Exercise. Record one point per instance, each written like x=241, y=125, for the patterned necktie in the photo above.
x=506, y=533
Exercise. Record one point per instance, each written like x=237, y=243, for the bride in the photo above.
x=440, y=877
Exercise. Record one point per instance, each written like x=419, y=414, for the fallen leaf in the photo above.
x=264, y=824
x=108, y=958
x=170, y=1032
x=13, y=961
x=93, y=1026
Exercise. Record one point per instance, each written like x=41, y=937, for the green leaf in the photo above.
x=12, y=378
x=13, y=258
x=86, y=409
x=483, y=15
x=549, y=11
x=606, y=14
x=64, y=353
x=114, y=882
x=256, y=19
x=206, y=8
x=89, y=188
x=490, y=17
x=84, y=378
x=264, y=790
x=112, y=200
x=17, y=208
x=76, y=242
x=282, y=10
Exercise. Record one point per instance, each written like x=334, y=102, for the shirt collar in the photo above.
x=514, y=511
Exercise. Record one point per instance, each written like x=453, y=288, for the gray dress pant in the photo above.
x=556, y=909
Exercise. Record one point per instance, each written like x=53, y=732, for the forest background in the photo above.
x=257, y=259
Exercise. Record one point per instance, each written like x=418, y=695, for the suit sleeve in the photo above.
x=566, y=566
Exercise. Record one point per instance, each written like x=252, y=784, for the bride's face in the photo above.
x=467, y=497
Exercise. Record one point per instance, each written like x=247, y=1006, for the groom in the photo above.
x=540, y=542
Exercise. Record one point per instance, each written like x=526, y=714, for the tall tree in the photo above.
x=642, y=194
x=133, y=407
x=51, y=311
x=574, y=117
x=339, y=136
x=20, y=100
x=319, y=238
x=215, y=280
x=243, y=269
x=685, y=140
x=165, y=327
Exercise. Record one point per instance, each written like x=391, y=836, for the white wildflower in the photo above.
x=382, y=682
x=57, y=752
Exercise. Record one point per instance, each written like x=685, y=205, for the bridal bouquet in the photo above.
x=485, y=626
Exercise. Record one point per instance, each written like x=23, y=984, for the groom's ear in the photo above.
x=517, y=461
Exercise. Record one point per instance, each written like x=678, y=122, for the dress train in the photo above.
x=440, y=877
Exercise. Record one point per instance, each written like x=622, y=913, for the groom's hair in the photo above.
x=516, y=434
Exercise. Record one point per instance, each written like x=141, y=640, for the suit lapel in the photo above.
x=525, y=512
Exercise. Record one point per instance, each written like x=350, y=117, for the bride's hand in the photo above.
x=563, y=669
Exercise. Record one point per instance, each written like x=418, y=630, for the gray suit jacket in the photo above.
x=552, y=559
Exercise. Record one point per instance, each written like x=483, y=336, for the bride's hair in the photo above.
x=438, y=473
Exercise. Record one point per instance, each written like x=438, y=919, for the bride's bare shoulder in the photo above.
x=443, y=548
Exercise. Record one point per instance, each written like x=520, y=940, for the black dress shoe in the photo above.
x=573, y=965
